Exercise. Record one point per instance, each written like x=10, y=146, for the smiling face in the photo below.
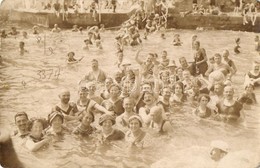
x=57, y=122
x=21, y=122
x=149, y=59
x=134, y=125
x=228, y=93
x=178, y=89
x=107, y=125
x=166, y=93
x=37, y=129
x=148, y=99
x=114, y=91
x=87, y=119
x=65, y=97
x=128, y=105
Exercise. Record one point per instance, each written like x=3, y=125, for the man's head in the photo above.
x=228, y=92
x=65, y=96
x=94, y=64
x=21, y=121
x=225, y=54
x=217, y=58
x=183, y=62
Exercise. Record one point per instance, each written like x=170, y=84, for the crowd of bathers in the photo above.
x=134, y=99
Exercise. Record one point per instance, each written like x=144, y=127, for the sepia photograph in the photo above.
x=129, y=83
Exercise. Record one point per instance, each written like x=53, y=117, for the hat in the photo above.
x=54, y=114
x=136, y=117
x=220, y=145
x=105, y=117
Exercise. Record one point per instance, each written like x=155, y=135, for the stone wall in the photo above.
x=221, y=22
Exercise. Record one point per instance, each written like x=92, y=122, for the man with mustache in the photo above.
x=68, y=109
x=96, y=74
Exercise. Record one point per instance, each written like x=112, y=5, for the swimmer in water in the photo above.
x=35, y=30
x=236, y=49
x=36, y=139
x=56, y=29
x=176, y=40
x=21, y=48
x=71, y=59
x=75, y=28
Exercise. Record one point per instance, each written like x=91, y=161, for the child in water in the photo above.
x=71, y=58
x=236, y=49
x=176, y=40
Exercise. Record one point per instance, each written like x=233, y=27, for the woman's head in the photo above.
x=178, y=88
x=135, y=123
x=37, y=127
x=106, y=121
x=55, y=119
x=114, y=90
x=83, y=92
x=204, y=99
x=88, y=118
x=164, y=76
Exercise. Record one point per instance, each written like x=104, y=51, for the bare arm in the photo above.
x=210, y=69
x=137, y=59
x=34, y=146
x=101, y=108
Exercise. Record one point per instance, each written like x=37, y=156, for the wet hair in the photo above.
x=21, y=114
x=204, y=95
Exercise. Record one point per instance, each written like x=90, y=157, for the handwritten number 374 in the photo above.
x=47, y=74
